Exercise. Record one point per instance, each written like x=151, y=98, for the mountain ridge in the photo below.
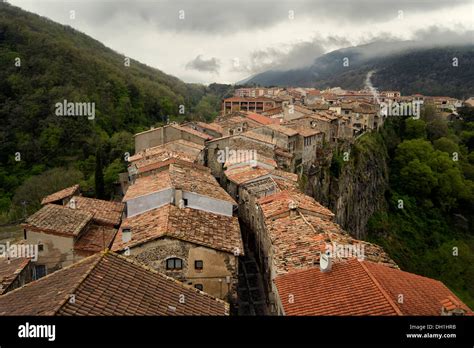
x=396, y=65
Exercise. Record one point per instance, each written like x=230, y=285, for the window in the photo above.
x=198, y=264
x=174, y=263
x=199, y=287
x=40, y=271
x=40, y=246
x=185, y=201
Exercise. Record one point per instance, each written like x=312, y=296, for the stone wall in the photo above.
x=218, y=277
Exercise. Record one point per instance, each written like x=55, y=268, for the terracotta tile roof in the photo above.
x=307, y=132
x=244, y=161
x=163, y=155
x=421, y=295
x=279, y=203
x=193, y=131
x=96, y=238
x=57, y=219
x=105, y=212
x=212, y=126
x=248, y=99
x=9, y=271
x=285, y=185
x=67, y=192
x=108, y=284
x=273, y=111
x=345, y=290
x=177, y=148
x=148, y=184
x=282, y=129
x=325, y=116
x=260, y=137
x=242, y=175
x=196, y=226
x=297, y=242
x=150, y=163
x=303, y=110
x=355, y=287
x=185, y=176
x=261, y=119
x=285, y=175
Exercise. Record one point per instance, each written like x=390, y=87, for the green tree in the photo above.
x=415, y=129
x=99, y=175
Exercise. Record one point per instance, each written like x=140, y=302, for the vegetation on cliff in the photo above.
x=427, y=226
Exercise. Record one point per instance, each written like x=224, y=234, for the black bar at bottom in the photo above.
x=168, y=331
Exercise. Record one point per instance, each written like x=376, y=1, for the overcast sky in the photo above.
x=226, y=41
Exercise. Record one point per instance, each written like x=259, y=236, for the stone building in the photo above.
x=196, y=247
x=251, y=142
x=177, y=182
x=15, y=272
x=257, y=105
x=66, y=234
x=166, y=134
x=180, y=222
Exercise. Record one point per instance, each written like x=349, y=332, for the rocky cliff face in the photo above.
x=352, y=186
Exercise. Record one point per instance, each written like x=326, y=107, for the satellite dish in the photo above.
x=324, y=262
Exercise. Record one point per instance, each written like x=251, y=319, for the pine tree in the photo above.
x=99, y=175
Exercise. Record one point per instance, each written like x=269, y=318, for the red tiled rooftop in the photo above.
x=64, y=193
x=195, y=226
x=282, y=129
x=105, y=212
x=96, y=238
x=178, y=174
x=9, y=271
x=297, y=242
x=346, y=290
x=57, y=219
x=261, y=119
x=355, y=287
x=241, y=175
x=108, y=284
x=279, y=203
x=248, y=99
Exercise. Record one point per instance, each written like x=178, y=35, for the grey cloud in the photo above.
x=227, y=16
x=211, y=65
x=296, y=56
x=303, y=54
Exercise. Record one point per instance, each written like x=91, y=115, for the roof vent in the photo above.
x=126, y=234
x=293, y=206
x=72, y=203
x=325, y=262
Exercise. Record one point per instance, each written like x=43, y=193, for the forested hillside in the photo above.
x=428, y=225
x=43, y=63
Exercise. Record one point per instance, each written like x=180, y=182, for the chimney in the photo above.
x=178, y=198
x=126, y=234
x=293, y=209
x=325, y=262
